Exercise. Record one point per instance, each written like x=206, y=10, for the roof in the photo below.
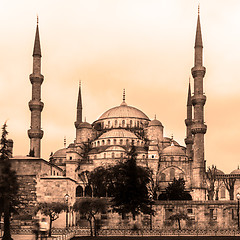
x=61, y=153
x=118, y=133
x=236, y=171
x=173, y=151
x=155, y=122
x=123, y=111
x=85, y=125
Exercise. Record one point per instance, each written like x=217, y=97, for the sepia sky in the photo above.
x=145, y=46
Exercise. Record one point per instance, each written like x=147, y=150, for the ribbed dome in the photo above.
x=61, y=153
x=123, y=111
x=236, y=171
x=155, y=122
x=118, y=133
x=173, y=151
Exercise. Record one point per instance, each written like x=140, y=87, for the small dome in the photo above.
x=155, y=122
x=236, y=171
x=85, y=125
x=220, y=172
x=173, y=151
x=123, y=111
x=61, y=153
x=118, y=133
x=115, y=149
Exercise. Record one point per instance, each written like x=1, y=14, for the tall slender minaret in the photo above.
x=198, y=126
x=188, y=123
x=35, y=105
x=79, y=108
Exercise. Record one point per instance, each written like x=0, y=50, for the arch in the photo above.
x=115, y=123
x=104, y=155
x=88, y=191
x=108, y=141
x=103, y=142
x=109, y=124
x=181, y=175
x=121, y=141
x=79, y=191
x=114, y=141
x=123, y=123
x=113, y=155
x=172, y=174
x=127, y=141
x=131, y=123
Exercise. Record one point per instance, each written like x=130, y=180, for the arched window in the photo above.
x=113, y=155
x=104, y=155
x=103, y=142
x=98, y=143
x=109, y=124
x=121, y=141
x=102, y=124
x=88, y=191
x=143, y=156
x=79, y=191
x=123, y=123
x=115, y=123
x=163, y=177
x=138, y=142
x=172, y=158
x=223, y=192
x=179, y=158
x=131, y=123
x=108, y=141
x=121, y=155
x=172, y=174
x=181, y=175
x=127, y=141
x=114, y=141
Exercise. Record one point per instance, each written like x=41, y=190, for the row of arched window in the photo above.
x=117, y=142
x=172, y=175
x=174, y=159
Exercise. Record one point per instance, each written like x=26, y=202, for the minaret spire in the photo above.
x=79, y=107
x=198, y=128
x=188, y=123
x=35, y=105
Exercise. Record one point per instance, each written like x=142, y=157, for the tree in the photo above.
x=52, y=210
x=178, y=217
x=211, y=179
x=229, y=183
x=175, y=191
x=130, y=193
x=8, y=184
x=89, y=207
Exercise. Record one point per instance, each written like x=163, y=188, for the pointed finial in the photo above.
x=65, y=141
x=124, y=95
x=37, y=19
x=155, y=117
x=189, y=79
x=85, y=119
x=172, y=144
x=198, y=9
x=80, y=83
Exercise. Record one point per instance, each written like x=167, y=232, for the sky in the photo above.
x=144, y=46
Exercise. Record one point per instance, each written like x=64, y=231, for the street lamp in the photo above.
x=66, y=199
x=151, y=197
x=238, y=198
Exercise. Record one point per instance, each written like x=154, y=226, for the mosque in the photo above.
x=108, y=139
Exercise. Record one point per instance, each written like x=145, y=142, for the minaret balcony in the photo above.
x=198, y=99
x=36, y=105
x=36, y=78
x=198, y=127
x=35, y=133
x=188, y=140
x=188, y=122
x=198, y=71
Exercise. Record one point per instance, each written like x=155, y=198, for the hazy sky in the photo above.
x=145, y=46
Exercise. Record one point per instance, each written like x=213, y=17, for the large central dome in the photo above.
x=123, y=111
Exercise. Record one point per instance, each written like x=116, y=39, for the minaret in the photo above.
x=35, y=105
x=79, y=108
x=188, y=123
x=198, y=126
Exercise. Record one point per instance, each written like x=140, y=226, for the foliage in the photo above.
x=52, y=210
x=178, y=217
x=211, y=179
x=229, y=183
x=176, y=191
x=8, y=184
x=88, y=208
x=126, y=183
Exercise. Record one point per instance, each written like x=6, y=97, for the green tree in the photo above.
x=8, y=184
x=88, y=208
x=51, y=210
x=175, y=191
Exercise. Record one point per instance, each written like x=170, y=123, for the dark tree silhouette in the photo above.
x=178, y=217
x=51, y=210
x=211, y=179
x=229, y=183
x=175, y=191
x=88, y=208
x=8, y=184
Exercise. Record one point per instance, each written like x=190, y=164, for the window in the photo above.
x=222, y=192
x=130, y=123
x=163, y=177
x=115, y=123
x=127, y=141
x=79, y=191
x=181, y=175
x=143, y=156
x=123, y=123
x=70, y=158
x=108, y=141
x=121, y=141
x=172, y=158
x=121, y=155
x=179, y=158
x=103, y=142
x=172, y=174
x=113, y=155
x=104, y=155
x=115, y=141
x=109, y=124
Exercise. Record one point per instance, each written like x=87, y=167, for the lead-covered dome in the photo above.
x=118, y=133
x=236, y=171
x=61, y=153
x=173, y=151
x=123, y=111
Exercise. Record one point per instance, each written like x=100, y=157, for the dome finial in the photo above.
x=64, y=142
x=124, y=95
x=198, y=9
x=172, y=144
x=37, y=19
x=155, y=116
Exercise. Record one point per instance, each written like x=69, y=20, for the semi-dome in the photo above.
x=219, y=172
x=118, y=133
x=61, y=153
x=155, y=122
x=173, y=151
x=236, y=171
x=123, y=111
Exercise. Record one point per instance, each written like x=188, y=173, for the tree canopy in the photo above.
x=175, y=191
